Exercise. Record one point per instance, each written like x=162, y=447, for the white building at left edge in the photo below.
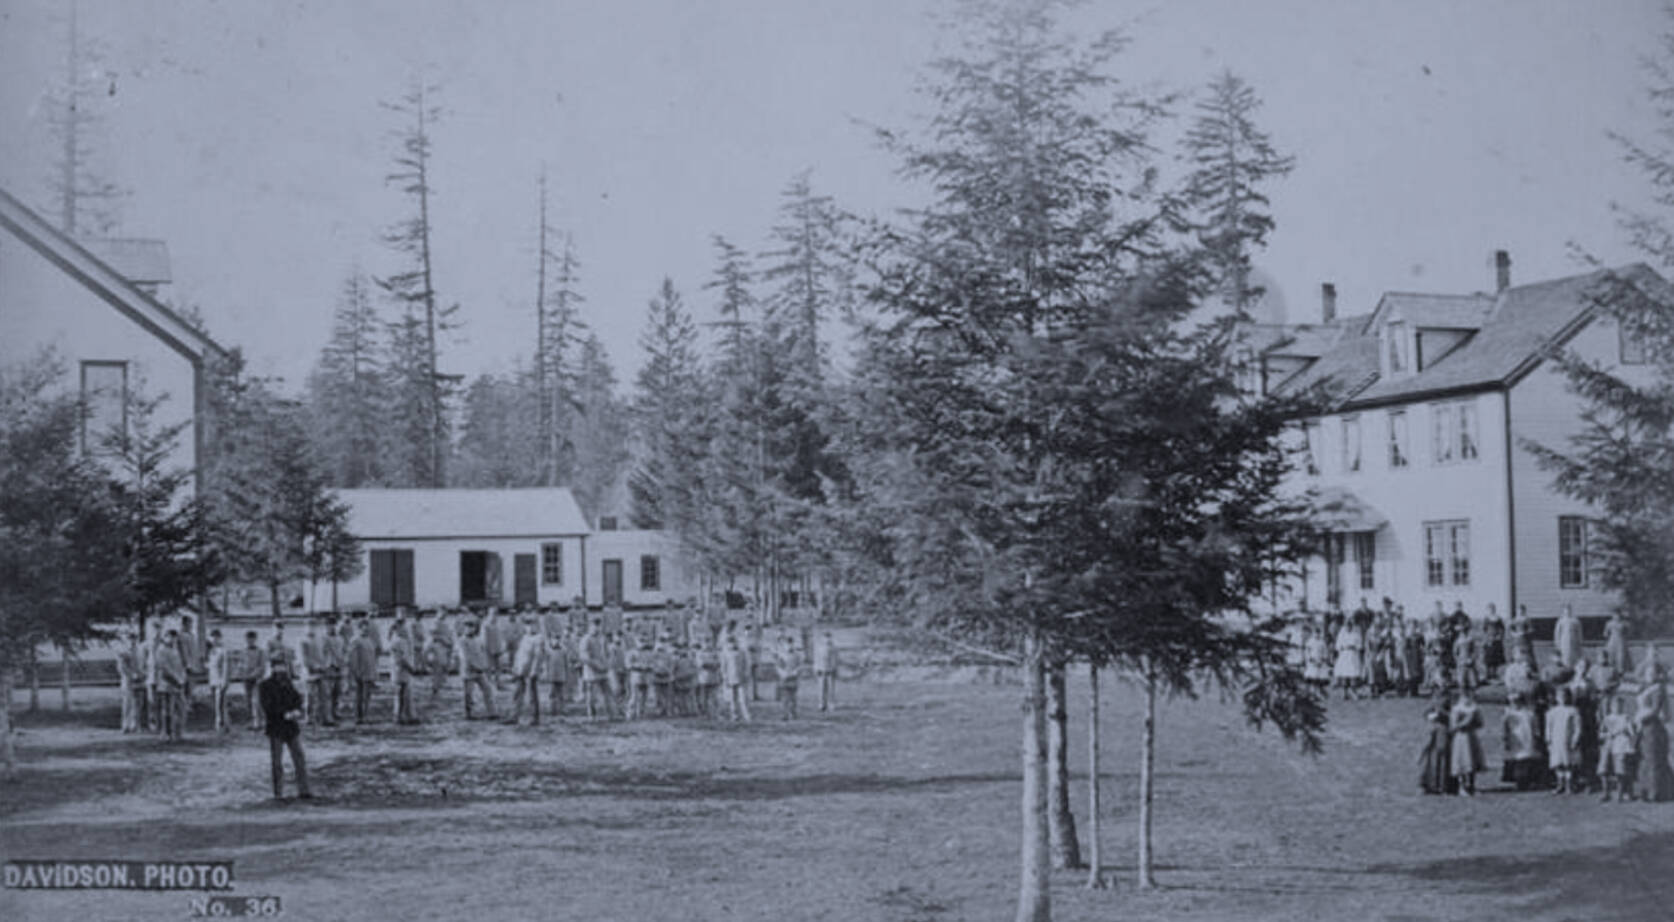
x=94, y=304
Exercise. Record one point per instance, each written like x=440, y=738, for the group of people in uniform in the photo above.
x=539, y=656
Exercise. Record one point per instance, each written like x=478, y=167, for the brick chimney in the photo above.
x=1328, y=302
x=1502, y=270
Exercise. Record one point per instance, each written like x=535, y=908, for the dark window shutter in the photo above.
x=382, y=578
x=403, y=577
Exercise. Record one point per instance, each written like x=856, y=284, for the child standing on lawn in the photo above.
x=1563, y=739
x=1522, y=750
x=1618, y=741
x=1436, y=761
x=1464, y=722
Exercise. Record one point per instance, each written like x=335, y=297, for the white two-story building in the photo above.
x=1421, y=471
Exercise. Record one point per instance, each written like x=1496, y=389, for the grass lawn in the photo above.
x=902, y=805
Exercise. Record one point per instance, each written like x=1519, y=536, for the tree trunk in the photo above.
x=64, y=677
x=1146, y=779
x=1034, y=895
x=273, y=597
x=34, y=682
x=1066, y=850
x=1095, y=859
x=8, y=758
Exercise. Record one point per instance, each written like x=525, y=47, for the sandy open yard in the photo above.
x=900, y=806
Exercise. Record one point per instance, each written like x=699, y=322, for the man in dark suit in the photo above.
x=282, y=708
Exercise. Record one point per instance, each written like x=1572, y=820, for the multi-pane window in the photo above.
x=1572, y=552
x=1447, y=553
x=607, y=523
x=1459, y=547
x=1396, y=333
x=1365, y=554
x=1397, y=438
x=650, y=573
x=104, y=399
x=1453, y=431
x=1351, y=443
x=552, y=564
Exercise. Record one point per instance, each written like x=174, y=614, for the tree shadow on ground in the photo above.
x=384, y=780
x=36, y=787
x=1618, y=883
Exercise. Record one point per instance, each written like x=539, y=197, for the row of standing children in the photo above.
x=1376, y=653
x=1567, y=733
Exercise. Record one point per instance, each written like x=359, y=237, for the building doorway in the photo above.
x=479, y=577
x=613, y=582
x=523, y=579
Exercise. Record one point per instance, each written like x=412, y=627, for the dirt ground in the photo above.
x=901, y=805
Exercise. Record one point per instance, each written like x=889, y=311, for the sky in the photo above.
x=249, y=136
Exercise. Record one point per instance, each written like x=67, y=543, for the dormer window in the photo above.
x=1395, y=346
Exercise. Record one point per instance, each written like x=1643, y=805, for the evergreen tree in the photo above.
x=498, y=446
x=62, y=567
x=1619, y=461
x=559, y=333
x=666, y=394
x=346, y=392
x=1056, y=468
x=419, y=391
x=86, y=201
x=1231, y=158
x=599, y=429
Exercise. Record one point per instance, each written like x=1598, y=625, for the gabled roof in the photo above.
x=1447, y=312
x=99, y=277
x=1342, y=367
x=530, y=512
x=1520, y=326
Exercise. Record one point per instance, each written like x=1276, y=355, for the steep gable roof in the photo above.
x=1520, y=326
x=100, y=278
x=528, y=512
x=1448, y=312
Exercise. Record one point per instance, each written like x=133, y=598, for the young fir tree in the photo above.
x=1619, y=461
x=346, y=392
x=1231, y=160
x=599, y=429
x=270, y=500
x=63, y=570
x=1026, y=394
x=419, y=392
x=667, y=395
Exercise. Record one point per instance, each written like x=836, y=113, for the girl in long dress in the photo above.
x=1412, y=659
x=1436, y=761
x=1615, y=644
x=1316, y=669
x=1464, y=722
x=1522, y=749
x=1563, y=739
x=1654, y=779
x=1350, y=645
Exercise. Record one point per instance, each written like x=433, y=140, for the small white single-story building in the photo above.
x=466, y=547
x=637, y=568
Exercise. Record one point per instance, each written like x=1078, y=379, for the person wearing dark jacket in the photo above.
x=282, y=708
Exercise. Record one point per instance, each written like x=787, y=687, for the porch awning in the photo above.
x=1338, y=509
